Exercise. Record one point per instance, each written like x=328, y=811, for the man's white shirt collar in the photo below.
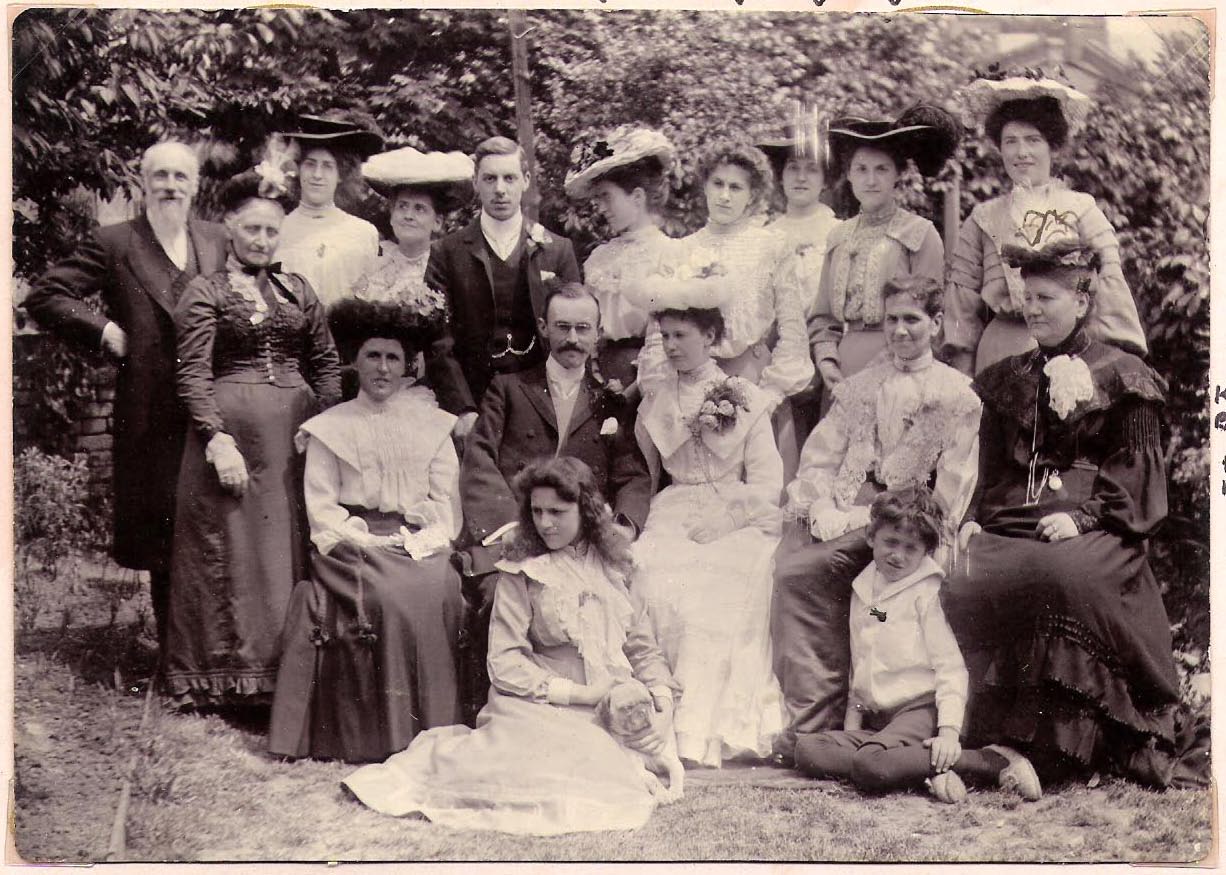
x=502, y=234
x=565, y=380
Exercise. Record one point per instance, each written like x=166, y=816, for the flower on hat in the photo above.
x=623, y=145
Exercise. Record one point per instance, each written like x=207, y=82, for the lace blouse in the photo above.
x=862, y=254
x=898, y=421
x=396, y=456
x=630, y=256
x=767, y=306
x=805, y=240
x=565, y=618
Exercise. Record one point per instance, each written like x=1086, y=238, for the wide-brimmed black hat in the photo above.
x=353, y=321
x=925, y=134
x=339, y=129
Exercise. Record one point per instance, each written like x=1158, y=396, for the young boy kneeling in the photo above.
x=908, y=681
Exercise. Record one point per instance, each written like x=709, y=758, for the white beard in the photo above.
x=168, y=216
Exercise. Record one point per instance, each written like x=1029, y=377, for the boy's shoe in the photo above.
x=1019, y=776
x=947, y=787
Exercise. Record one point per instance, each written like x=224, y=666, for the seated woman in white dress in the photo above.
x=704, y=557
x=371, y=638
x=564, y=631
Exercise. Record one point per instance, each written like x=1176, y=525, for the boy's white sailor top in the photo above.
x=912, y=652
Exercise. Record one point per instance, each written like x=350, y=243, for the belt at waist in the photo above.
x=283, y=378
x=379, y=522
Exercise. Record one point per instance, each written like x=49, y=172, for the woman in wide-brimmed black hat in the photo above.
x=319, y=240
x=882, y=241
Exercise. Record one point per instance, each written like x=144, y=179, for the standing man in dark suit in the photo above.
x=493, y=274
x=140, y=267
x=556, y=408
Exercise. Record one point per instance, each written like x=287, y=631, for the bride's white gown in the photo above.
x=710, y=603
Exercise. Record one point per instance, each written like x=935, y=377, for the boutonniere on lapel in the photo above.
x=538, y=237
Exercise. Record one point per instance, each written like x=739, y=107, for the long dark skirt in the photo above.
x=370, y=653
x=1067, y=643
x=236, y=559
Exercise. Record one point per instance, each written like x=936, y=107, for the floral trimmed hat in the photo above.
x=623, y=145
x=924, y=133
x=983, y=96
x=806, y=134
x=446, y=176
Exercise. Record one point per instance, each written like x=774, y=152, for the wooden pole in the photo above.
x=517, y=25
x=952, y=214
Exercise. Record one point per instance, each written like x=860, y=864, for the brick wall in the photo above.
x=86, y=402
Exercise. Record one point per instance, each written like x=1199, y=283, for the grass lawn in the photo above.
x=204, y=790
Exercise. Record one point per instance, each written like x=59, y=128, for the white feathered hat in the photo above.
x=983, y=96
x=435, y=171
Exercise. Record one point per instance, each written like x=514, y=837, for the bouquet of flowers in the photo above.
x=718, y=412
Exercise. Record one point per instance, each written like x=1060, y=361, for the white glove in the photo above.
x=712, y=526
x=222, y=453
x=827, y=523
x=115, y=340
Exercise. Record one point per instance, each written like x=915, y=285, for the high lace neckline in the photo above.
x=729, y=229
x=920, y=363
x=706, y=371
x=311, y=212
x=881, y=216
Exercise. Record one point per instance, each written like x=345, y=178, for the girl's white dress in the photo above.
x=536, y=764
x=710, y=603
x=328, y=246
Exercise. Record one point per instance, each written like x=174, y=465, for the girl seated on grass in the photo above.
x=908, y=681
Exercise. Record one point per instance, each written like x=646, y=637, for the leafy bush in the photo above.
x=53, y=525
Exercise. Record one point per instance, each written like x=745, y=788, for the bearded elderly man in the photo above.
x=139, y=267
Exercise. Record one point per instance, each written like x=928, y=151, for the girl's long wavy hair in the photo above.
x=573, y=481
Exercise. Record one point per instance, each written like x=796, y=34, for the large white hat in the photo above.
x=389, y=171
x=700, y=282
x=622, y=146
x=983, y=96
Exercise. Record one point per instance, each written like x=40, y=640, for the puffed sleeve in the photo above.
x=929, y=259
x=1115, y=319
x=820, y=459
x=321, y=485
x=791, y=365
x=825, y=329
x=510, y=662
x=644, y=654
x=958, y=469
x=964, y=308
x=444, y=487
x=324, y=365
x=196, y=317
x=764, y=467
x=1129, y=496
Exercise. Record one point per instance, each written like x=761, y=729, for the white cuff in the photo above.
x=559, y=691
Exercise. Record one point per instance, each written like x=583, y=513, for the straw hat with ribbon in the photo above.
x=620, y=147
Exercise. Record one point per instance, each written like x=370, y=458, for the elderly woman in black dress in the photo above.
x=255, y=361
x=1052, y=598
